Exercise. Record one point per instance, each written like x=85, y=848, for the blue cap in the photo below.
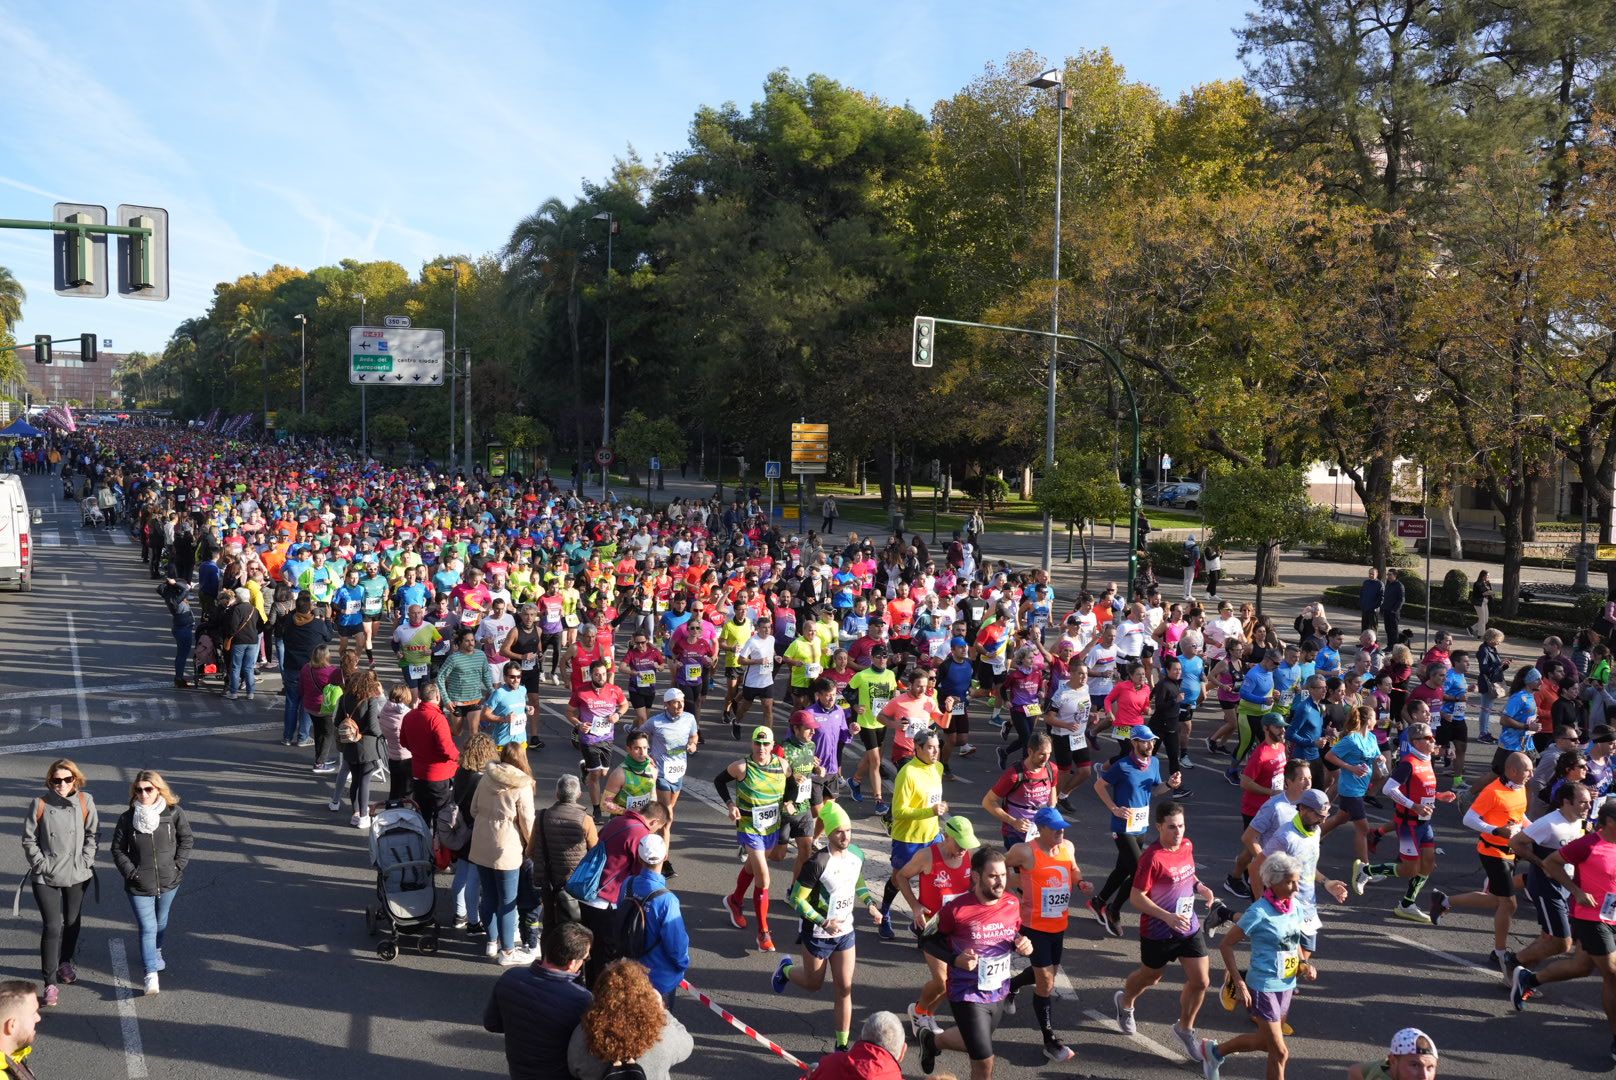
x=1142, y=733
x=1049, y=818
x=959, y=643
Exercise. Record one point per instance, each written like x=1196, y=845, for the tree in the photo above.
x=253, y=333
x=1082, y=489
x=1265, y=508
x=12, y=297
x=520, y=432
x=389, y=429
x=640, y=438
x=543, y=263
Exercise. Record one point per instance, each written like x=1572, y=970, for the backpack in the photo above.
x=347, y=731
x=628, y=937
x=452, y=828
x=84, y=809
x=329, y=696
x=628, y=1070
x=584, y=884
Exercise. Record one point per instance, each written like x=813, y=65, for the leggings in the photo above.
x=1167, y=728
x=1248, y=729
x=60, y=908
x=1023, y=726
x=1117, y=886
x=551, y=643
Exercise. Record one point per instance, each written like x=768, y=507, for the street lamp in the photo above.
x=1053, y=80
x=362, y=415
x=303, y=362
x=606, y=401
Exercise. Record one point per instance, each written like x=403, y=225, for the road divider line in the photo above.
x=78, y=673
x=1146, y=1041
x=134, y=1056
x=115, y=688
x=134, y=737
x=1459, y=961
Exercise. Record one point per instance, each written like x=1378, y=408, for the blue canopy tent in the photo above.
x=20, y=429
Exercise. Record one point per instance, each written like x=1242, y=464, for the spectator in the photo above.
x=150, y=846
x=1212, y=563
x=1391, y=605
x=878, y=1054
x=19, y=1017
x=667, y=942
x=59, y=840
x=1411, y=1056
x=621, y=836
x=502, y=825
x=182, y=625
x=241, y=629
x=424, y=735
x=537, y=1008
x=626, y=1025
x=1370, y=596
x=1481, y=596
x=562, y=835
x=299, y=635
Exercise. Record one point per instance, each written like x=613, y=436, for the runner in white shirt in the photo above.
x=1101, y=660
x=1068, y=723
x=491, y=634
x=756, y=658
x=1221, y=630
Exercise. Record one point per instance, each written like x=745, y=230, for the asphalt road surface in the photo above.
x=271, y=971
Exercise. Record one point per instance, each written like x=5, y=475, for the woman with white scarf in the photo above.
x=150, y=847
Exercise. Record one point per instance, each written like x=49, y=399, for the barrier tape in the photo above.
x=743, y=1028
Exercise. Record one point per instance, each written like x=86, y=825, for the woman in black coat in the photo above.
x=151, y=845
x=360, y=739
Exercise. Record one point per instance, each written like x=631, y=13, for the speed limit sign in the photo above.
x=604, y=456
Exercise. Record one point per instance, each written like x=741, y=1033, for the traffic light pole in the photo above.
x=1111, y=358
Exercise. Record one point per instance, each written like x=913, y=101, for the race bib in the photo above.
x=673, y=769
x=1054, y=900
x=933, y=798
x=373, y=607
x=350, y=607
x=805, y=791
x=469, y=620
x=636, y=802
x=997, y=665
x=517, y=722
x=877, y=704
x=1077, y=740
x=837, y=911
x=765, y=819
x=692, y=673
x=991, y=972
x=601, y=726
x=813, y=670
x=1122, y=732
x=958, y=709
x=1185, y=908
x=1032, y=710
x=1277, y=784
x=644, y=680
x=1287, y=963
x=418, y=671
x=916, y=728
x=528, y=665
x=1136, y=819
x=1428, y=803
x=570, y=621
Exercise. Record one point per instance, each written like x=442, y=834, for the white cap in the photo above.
x=674, y=694
x=652, y=848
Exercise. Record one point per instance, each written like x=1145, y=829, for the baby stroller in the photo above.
x=205, y=659
x=91, y=516
x=406, y=896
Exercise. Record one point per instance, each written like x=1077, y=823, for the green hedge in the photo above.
x=1350, y=544
x=1455, y=588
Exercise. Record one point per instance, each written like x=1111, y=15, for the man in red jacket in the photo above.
x=425, y=733
x=876, y=1056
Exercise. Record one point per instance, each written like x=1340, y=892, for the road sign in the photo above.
x=810, y=448
x=656, y=463
x=771, y=470
x=1412, y=528
x=1605, y=552
x=106, y=343
x=396, y=321
x=395, y=357
x=604, y=456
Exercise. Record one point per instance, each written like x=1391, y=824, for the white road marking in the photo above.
x=114, y=688
x=119, y=537
x=145, y=736
x=48, y=538
x=1460, y=961
x=1110, y=1022
x=64, y=579
x=134, y=1056
x=78, y=676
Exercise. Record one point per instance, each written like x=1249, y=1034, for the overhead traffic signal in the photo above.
x=143, y=260
x=88, y=354
x=922, y=350
x=42, y=348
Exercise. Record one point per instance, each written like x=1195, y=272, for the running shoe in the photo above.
x=885, y=929
x=1004, y=758
x=1066, y=804
x=1125, y=1021
x=151, y=984
x=1232, y=775
x=1217, y=914
x=1226, y=996
x=1438, y=906
x=1520, y=988
x=1215, y=747
x=491, y=949
x=1507, y=964
x=1359, y=879
x=882, y=807
x=515, y=958
x=735, y=729
x=1099, y=914
x=928, y=1044
x=966, y=749
x=765, y=942
x=919, y=1021
x=334, y=804
x=1211, y=1062
x=1184, y=762
x=1055, y=1050
x=1460, y=783
x=1113, y=925
x=460, y=922
x=1189, y=1041
x=737, y=918
x=1372, y=800
x=68, y=974
x=1410, y=913
x=1286, y=1029
x=667, y=869
x=779, y=979
x=305, y=742
x=857, y=790
x=1486, y=738
x=1179, y=794
x=1236, y=887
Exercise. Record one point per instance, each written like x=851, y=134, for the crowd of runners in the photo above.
x=834, y=680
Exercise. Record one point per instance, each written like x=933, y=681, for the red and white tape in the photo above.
x=745, y=1029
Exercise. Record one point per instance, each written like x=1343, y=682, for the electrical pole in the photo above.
x=467, y=410
x=454, y=359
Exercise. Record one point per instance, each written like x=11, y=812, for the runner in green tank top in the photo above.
x=632, y=785
x=760, y=802
x=804, y=764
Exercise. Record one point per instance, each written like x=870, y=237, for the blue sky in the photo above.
x=302, y=132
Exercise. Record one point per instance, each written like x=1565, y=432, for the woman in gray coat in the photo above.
x=58, y=840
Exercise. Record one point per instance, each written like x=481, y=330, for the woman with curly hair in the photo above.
x=627, y=1026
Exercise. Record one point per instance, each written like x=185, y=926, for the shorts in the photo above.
x=641, y=699
x=902, y=852
x=669, y=785
x=1097, y=705
x=1596, y=938
x=1414, y=837
x=1500, y=875
x=532, y=679
x=987, y=678
x=1353, y=805
x=1157, y=953
x=821, y=948
x=1065, y=756
x=697, y=691
x=597, y=757
x=1553, y=910
x=1449, y=732
x=1270, y=1005
x=830, y=786
x=754, y=693
x=1245, y=821
x=976, y=1021
x=873, y=738
x=755, y=842
x=1309, y=943
x=798, y=825
x=351, y=631
x=1500, y=756
x=959, y=724
x=1046, y=946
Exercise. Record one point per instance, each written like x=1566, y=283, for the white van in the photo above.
x=16, y=541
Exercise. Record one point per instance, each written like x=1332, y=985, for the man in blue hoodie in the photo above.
x=667, y=942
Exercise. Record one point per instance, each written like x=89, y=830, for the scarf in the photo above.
x=1281, y=906
x=147, y=815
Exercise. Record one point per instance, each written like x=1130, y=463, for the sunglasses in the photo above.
x=56, y=781
x=144, y=789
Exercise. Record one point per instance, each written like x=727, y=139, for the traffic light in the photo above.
x=87, y=348
x=42, y=348
x=80, y=257
x=922, y=351
x=143, y=260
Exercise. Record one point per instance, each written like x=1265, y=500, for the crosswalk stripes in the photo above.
x=58, y=538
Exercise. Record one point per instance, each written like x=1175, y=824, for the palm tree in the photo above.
x=12, y=295
x=254, y=333
x=542, y=261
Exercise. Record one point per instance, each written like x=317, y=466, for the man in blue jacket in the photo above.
x=1370, y=595
x=1305, y=734
x=667, y=942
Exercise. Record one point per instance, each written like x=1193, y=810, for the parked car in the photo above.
x=1183, y=496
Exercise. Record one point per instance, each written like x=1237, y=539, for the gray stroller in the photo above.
x=406, y=895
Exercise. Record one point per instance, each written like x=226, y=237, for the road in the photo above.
x=271, y=972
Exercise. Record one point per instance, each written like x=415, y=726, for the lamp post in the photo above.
x=606, y=398
x=303, y=362
x=454, y=357
x=1053, y=80
x=363, y=416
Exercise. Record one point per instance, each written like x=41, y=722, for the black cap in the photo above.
x=880, y=650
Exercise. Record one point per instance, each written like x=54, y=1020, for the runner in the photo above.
x=757, y=808
x=693, y=659
x=1047, y=874
x=632, y=785
x=943, y=871
x=1164, y=890
x=1357, y=755
x=801, y=755
x=1068, y=729
x=824, y=893
x=600, y=707
x=1496, y=815
x=1295, y=779
x=917, y=811
x=674, y=737
x=1023, y=790
x=642, y=662
x=735, y=632
x=1126, y=787
x=954, y=677
x=1412, y=786
x=414, y=641
x=1551, y=900
x=976, y=935
x=875, y=687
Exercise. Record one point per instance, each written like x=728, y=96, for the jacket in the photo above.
x=300, y=634
x=672, y=1047
x=562, y=830
x=864, y=1061
x=152, y=863
x=537, y=1009
x=372, y=744
x=1370, y=594
x=424, y=732
x=241, y=624
x=60, y=843
x=667, y=941
x=1392, y=601
x=502, y=811
x=622, y=836
x=311, y=683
